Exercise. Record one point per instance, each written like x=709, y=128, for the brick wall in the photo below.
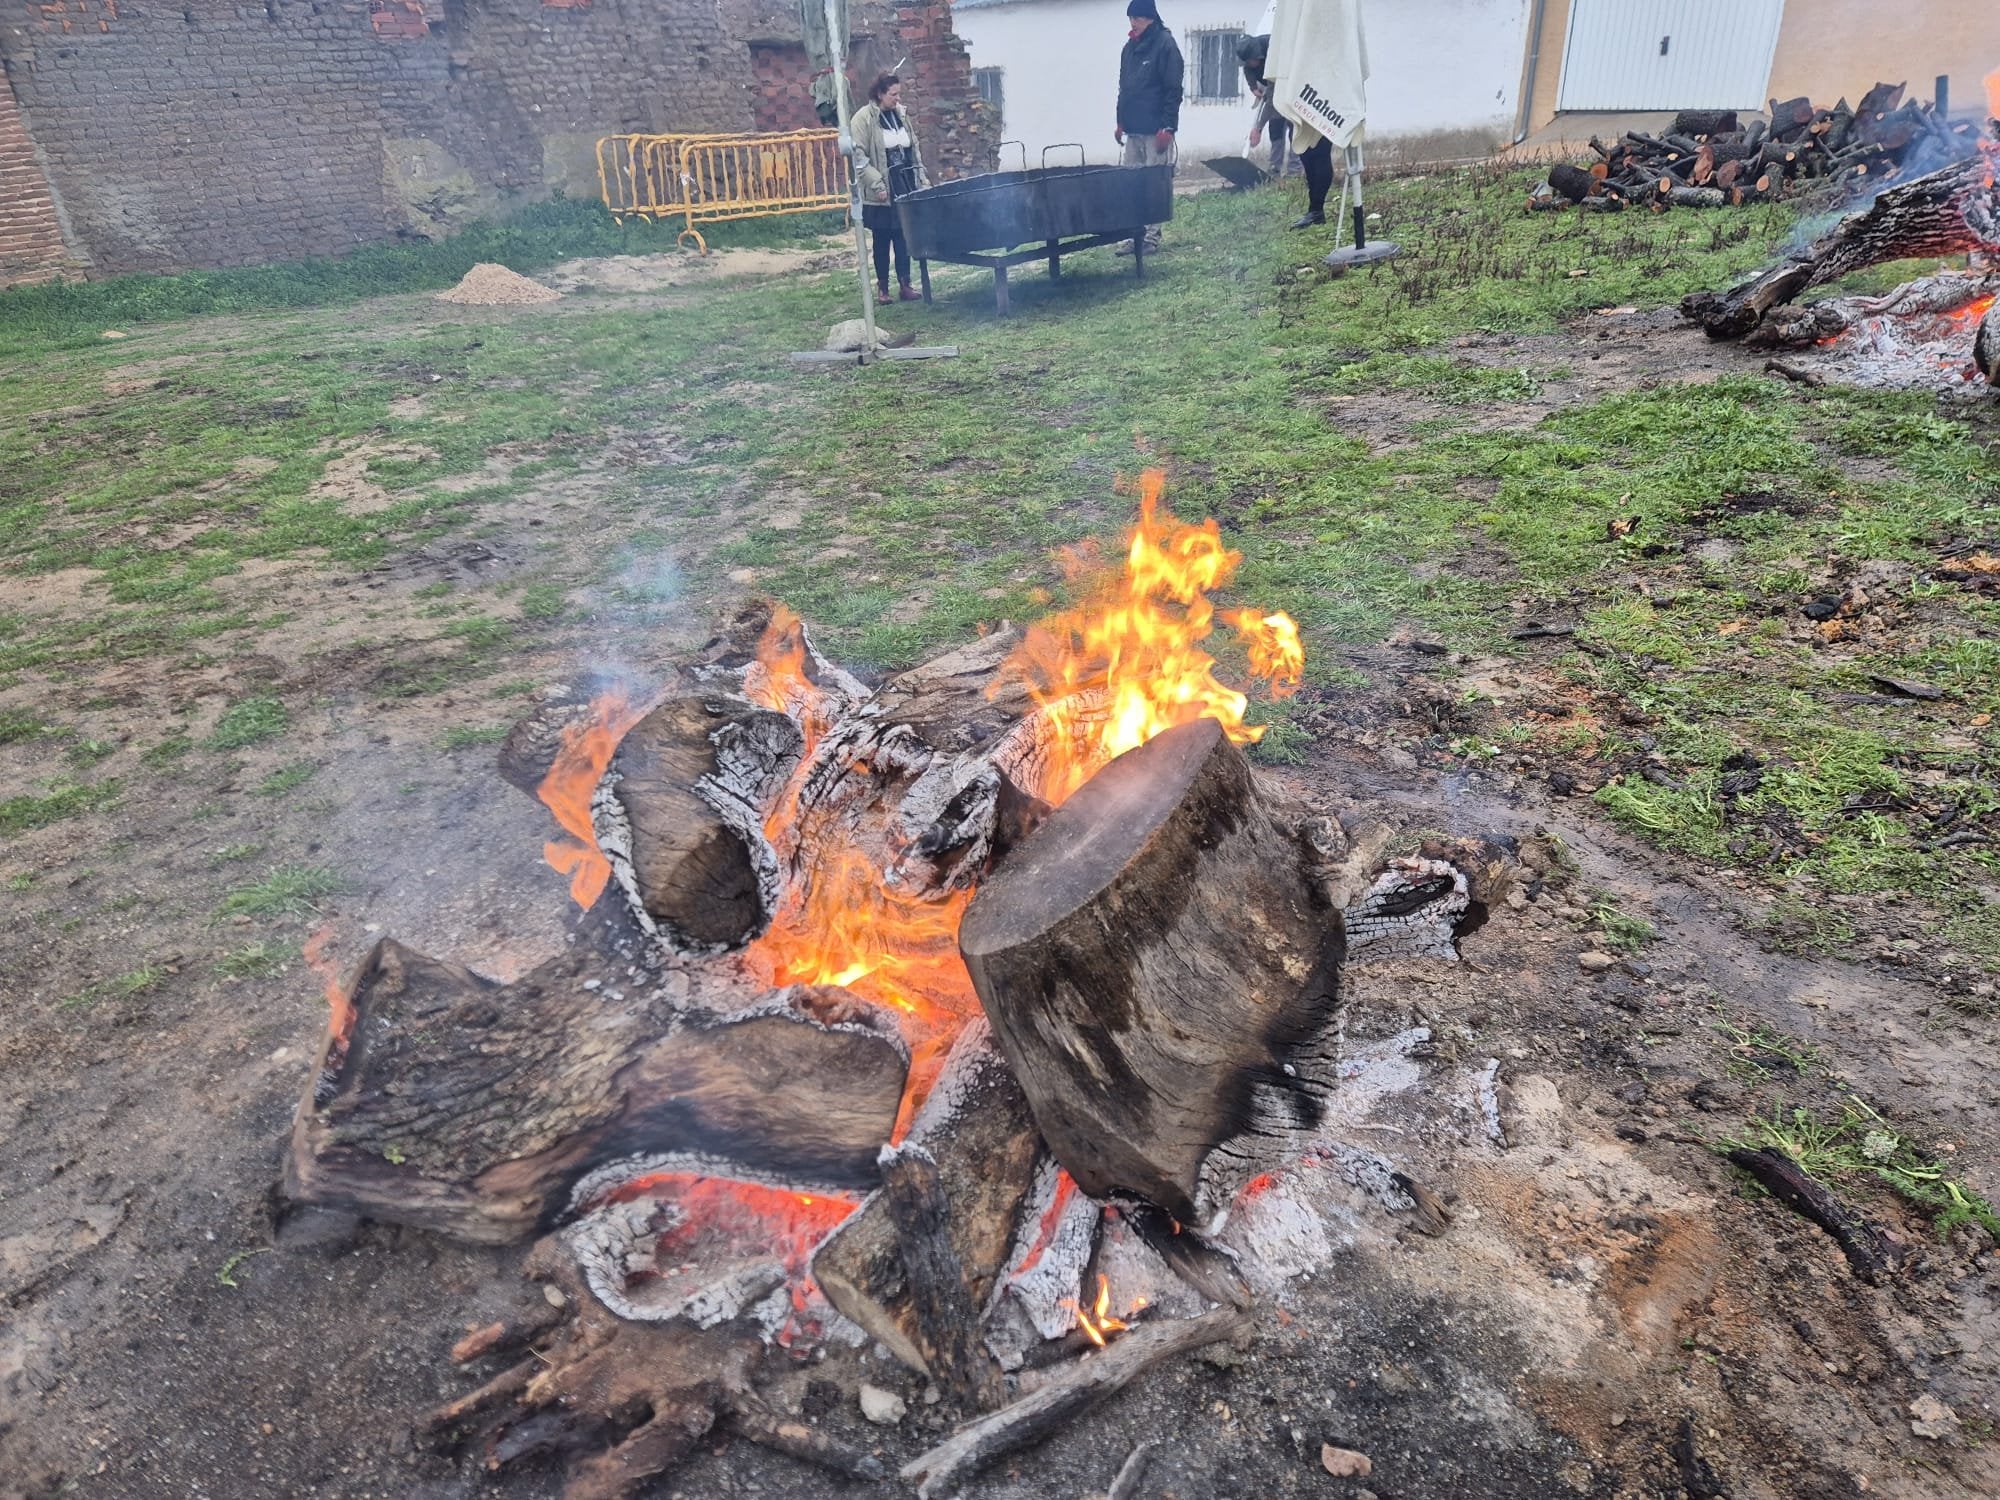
x=229, y=132
x=31, y=241
x=781, y=75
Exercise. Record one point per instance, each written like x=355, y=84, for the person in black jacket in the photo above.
x=1150, y=79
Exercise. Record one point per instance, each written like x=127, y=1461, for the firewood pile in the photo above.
x=894, y=1014
x=1709, y=159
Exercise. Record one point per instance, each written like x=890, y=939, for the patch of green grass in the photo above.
x=248, y=723
x=258, y=960
x=232, y=853
x=1860, y=1142
x=20, y=880
x=1795, y=924
x=88, y=752
x=289, y=890
x=124, y=987
x=286, y=778
x=17, y=725
x=544, y=601
x=1622, y=932
x=20, y=814
x=464, y=737
x=167, y=753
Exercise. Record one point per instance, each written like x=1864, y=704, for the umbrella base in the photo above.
x=1349, y=256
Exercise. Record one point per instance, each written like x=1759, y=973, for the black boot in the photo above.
x=1309, y=218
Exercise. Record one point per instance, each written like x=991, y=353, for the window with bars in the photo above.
x=1216, y=74
x=988, y=82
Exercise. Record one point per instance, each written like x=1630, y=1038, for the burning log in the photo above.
x=1162, y=974
x=1945, y=213
x=1986, y=346
x=976, y=1127
x=1074, y=1391
x=455, y=1104
x=944, y=1309
x=680, y=816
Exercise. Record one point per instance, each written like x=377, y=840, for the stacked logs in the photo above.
x=1708, y=159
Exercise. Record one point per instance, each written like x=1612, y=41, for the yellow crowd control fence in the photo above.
x=706, y=179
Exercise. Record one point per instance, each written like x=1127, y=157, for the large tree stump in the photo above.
x=1945, y=212
x=473, y=1108
x=1162, y=974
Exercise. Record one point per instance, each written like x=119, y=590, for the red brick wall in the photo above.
x=781, y=86
x=957, y=129
x=31, y=242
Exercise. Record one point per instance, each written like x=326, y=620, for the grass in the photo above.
x=258, y=960
x=248, y=723
x=124, y=987
x=1621, y=931
x=466, y=737
x=1859, y=1142
x=287, y=778
x=21, y=814
x=289, y=890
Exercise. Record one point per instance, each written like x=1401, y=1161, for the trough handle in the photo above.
x=1058, y=146
x=1024, y=151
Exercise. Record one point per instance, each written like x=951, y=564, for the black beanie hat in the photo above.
x=1144, y=8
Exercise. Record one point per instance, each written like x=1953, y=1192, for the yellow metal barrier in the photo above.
x=710, y=178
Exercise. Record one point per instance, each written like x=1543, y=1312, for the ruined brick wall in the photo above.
x=228, y=132
x=31, y=240
x=958, y=132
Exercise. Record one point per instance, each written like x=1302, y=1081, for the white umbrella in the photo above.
x=1318, y=71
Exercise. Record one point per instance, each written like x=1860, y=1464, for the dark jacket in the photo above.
x=1150, y=75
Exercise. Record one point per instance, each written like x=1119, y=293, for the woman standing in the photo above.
x=889, y=168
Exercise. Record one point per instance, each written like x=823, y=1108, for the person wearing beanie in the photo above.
x=1151, y=75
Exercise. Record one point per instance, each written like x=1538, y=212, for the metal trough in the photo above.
x=1054, y=211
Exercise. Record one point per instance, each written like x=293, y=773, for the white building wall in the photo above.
x=1437, y=68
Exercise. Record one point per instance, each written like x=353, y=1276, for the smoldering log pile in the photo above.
x=1709, y=159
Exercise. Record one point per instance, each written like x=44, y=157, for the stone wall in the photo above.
x=214, y=133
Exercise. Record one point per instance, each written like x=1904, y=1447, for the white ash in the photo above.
x=856, y=1015
x=1486, y=1090
x=1277, y=1235
x=614, y=1248
x=1044, y=1287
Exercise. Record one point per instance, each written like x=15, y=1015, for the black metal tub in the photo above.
x=980, y=221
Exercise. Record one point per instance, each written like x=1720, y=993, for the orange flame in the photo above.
x=1973, y=311
x=339, y=1004
x=1098, y=1323
x=1138, y=646
x=778, y=678
x=1993, y=95
x=570, y=784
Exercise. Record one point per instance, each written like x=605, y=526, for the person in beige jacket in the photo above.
x=889, y=167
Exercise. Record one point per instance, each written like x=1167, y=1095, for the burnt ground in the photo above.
x=1607, y=1278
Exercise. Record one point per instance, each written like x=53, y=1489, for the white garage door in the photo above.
x=1669, y=54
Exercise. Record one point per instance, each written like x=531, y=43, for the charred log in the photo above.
x=976, y=1126
x=471, y=1108
x=1944, y=213
x=1872, y=1254
x=1986, y=347
x=1119, y=950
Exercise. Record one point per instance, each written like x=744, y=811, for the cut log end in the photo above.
x=1118, y=952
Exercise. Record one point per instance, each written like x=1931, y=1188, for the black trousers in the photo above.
x=886, y=225
x=1318, y=161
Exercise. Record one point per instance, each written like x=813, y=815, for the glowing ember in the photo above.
x=1097, y=1321
x=1973, y=311
x=571, y=783
x=1993, y=95
x=1052, y=1217
x=1138, y=643
x=339, y=1005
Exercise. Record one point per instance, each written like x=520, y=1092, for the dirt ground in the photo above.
x=1608, y=1289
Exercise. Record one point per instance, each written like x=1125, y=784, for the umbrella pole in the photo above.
x=837, y=36
x=1360, y=215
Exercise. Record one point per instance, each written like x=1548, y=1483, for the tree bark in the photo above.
x=472, y=1108
x=1705, y=122
x=943, y=1304
x=1986, y=346
x=1573, y=183
x=1162, y=975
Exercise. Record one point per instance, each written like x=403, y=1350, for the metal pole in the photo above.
x=1360, y=216
x=837, y=36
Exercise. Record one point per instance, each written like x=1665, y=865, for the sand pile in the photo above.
x=490, y=285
